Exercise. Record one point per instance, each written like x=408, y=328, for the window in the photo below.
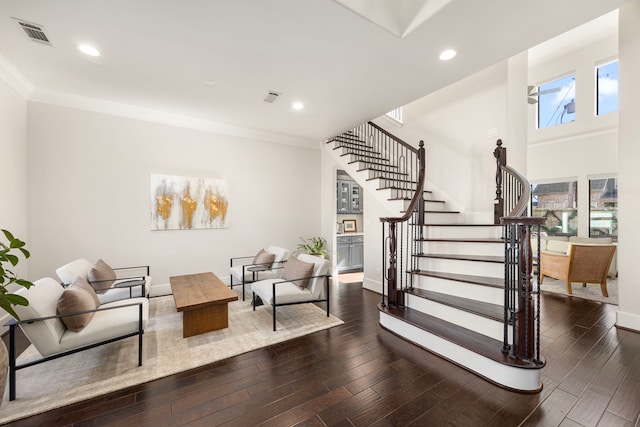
x=558, y=203
x=607, y=88
x=395, y=115
x=603, y=207
x=556, y=102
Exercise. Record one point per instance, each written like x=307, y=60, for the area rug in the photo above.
x=591, y=291
x=114, y=366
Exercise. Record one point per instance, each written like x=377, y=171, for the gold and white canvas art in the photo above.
x=188, y=203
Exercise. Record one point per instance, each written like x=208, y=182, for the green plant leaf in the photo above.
x=7, y=307
x=14, y=299
x=8, y=235
x=25, y=283
x=12, y=259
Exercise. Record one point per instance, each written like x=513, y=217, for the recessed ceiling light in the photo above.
x=210, y=82
x=448, y=54
x=297, y=105
x=89, y=50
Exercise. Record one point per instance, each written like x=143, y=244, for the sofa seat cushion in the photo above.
x=108, y=324
x=286, y=292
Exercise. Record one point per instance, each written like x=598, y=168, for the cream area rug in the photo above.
x=114, y=366
x=591, y=291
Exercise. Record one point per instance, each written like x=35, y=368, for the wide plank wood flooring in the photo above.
x=359, y=374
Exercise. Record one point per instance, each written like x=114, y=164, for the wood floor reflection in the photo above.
x=358, y=374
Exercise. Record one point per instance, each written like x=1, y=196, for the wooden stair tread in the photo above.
x=473, y=341
x=462, y=240
x=494, y=282
x=481, y=308
x=379, y=163
x=479, y=258
x=388, y=187
x=463, y=225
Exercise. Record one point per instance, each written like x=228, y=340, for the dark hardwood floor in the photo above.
x=359, y=374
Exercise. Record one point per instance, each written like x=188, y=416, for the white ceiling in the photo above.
x=157, y=56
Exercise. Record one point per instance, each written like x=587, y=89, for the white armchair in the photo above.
x=303, y=280
x=266, y=264
x=56, y=335
x=129, y=282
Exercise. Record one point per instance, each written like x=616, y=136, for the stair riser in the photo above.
x=442, y=218
x=474, y=268
x=487, y=232
x=463, y=248
x=479, y=324
x=508, y=376
x=461, y=289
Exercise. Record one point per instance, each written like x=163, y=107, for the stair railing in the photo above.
x=404, y=234
x=521, y=290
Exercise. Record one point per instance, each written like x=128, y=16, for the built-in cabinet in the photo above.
x=350, y=253
x=349, y=196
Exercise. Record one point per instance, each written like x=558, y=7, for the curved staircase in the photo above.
x=452, y=285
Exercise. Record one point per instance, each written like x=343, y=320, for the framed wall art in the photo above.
x=350, y=225
x=188, y=203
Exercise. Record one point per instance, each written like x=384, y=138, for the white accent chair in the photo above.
x=136, y=283
x=44, y=327
x=278, y=291
x=245, y=271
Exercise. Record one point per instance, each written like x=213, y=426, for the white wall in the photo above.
x=13, y=149
x=629, y=172
x=89, y=192
x=454, y=123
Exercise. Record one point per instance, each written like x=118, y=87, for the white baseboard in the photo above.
x=628, y=320
x=372, y=285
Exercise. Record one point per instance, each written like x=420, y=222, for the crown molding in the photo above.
x=11, y=76
x=161, y=117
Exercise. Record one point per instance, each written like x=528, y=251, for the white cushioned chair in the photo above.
x=44, y=327
x=279, y=291
x=245, y=271
x=131, y=281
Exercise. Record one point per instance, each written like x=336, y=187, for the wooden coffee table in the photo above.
x=202, y=298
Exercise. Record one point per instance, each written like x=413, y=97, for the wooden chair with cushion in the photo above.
x=303, y=280
x=583, y=263
x=60, y=321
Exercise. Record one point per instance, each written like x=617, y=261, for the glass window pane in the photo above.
x=607, y=88
x=558, y=203
x=603, y=207
x=556, y=102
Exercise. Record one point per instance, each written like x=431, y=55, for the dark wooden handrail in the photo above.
x=420, y=187
x=395, y=138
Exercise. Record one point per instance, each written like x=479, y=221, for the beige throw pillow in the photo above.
x=264, y=259
x=296, y=269
x=79, y=296
x=101, y=276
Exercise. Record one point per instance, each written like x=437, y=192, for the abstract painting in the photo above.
x=188, y=203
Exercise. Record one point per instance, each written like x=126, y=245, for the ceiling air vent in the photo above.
x=271, y=97
x=34, y=32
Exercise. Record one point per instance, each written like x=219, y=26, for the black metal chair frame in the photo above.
x=13, y=323
x=254, y=269
x=275, y=304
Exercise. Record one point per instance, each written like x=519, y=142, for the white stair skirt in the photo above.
x=521, y=379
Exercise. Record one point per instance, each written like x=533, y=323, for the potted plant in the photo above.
x=9, y=259
x=314, y=246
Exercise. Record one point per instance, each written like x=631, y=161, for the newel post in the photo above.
x=500, y=153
